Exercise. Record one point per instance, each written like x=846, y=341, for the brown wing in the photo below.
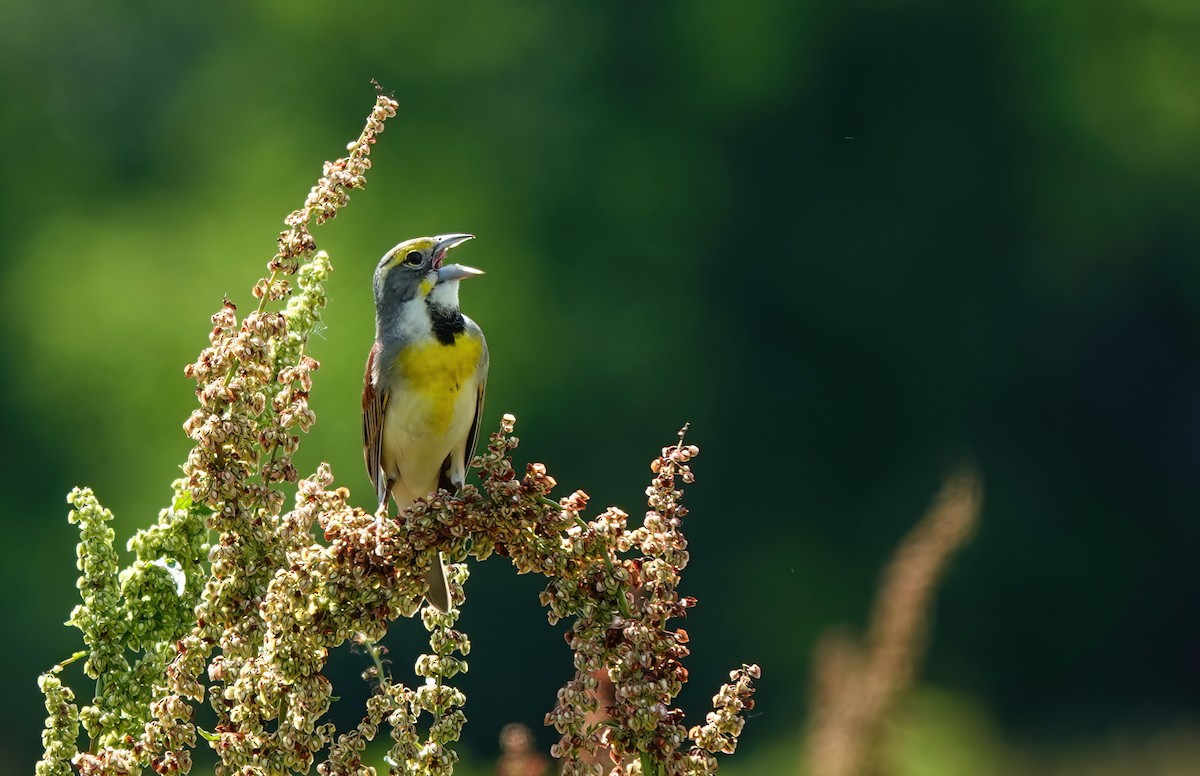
x=473, y=434
x=374, y=401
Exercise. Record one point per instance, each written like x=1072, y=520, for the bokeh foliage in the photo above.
x=888, y=234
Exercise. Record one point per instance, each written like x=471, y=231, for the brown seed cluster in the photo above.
x=623, y=608
x=253, y=383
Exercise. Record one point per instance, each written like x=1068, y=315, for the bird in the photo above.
x=424, y=383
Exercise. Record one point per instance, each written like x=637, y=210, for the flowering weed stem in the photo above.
x=233, y=598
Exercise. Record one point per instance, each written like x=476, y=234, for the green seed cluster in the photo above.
x=62, y=727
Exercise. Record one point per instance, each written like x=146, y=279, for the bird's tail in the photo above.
x=439, y=586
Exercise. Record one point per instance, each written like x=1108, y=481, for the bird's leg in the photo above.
x=381, y=514
x=381, y=511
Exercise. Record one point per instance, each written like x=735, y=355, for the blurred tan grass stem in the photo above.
x=857, y=682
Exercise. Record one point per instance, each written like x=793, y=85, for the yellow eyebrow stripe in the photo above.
x=423, y=244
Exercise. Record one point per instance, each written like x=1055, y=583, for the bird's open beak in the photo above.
x=456, y=272
x=444, y=242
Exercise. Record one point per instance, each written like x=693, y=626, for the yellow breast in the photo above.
x=437, y=372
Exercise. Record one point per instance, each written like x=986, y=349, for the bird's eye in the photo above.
x=413, y=259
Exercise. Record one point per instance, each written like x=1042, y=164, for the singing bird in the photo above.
x=424, y=383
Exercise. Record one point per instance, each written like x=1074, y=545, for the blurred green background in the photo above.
x=852, y=243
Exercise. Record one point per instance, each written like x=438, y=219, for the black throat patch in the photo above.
x=447, y=323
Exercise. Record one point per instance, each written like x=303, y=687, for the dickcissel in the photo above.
x=424, y=384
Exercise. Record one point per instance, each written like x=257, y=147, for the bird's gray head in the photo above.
x=414, y=269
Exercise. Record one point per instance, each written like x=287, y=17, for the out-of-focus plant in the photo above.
x=856, y=682
x=518, y=757
x=231, y=597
